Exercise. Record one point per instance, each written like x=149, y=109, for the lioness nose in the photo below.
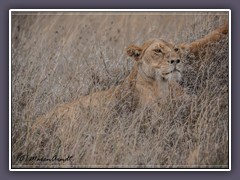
x=176, y=61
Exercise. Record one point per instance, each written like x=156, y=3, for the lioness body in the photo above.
x=142, y=92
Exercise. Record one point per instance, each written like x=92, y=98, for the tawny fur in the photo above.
x=151, y=78
x=149, y=89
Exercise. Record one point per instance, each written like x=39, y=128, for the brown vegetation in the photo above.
x=56, y=59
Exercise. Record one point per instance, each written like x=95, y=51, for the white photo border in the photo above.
x=116, y=10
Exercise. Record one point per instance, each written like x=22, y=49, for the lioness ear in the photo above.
x=134, y=51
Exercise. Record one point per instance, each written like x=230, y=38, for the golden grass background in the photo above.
x=58, y=57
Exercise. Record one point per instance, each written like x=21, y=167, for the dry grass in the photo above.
x=58, y=58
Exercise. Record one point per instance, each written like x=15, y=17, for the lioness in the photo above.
x=158, y=68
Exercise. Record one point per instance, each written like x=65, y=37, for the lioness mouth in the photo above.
x=171, y=71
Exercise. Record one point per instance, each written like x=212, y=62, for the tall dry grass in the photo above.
x=58, y=58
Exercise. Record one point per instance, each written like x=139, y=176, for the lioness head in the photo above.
x=158, y=58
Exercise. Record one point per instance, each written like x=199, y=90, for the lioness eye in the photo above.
x=176, y=49
x=157, y=50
